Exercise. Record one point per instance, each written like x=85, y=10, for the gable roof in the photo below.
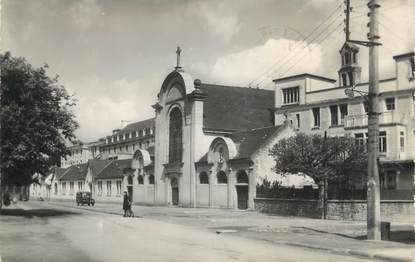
x=59, y=172
x=97, y=165
x=230, y=108
x=251, y=140
x=75, y=172
x=148, y=123
x=115, y=169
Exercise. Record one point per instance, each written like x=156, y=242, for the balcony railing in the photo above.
x=388, y=117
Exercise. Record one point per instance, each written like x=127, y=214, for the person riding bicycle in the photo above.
x=126, y=205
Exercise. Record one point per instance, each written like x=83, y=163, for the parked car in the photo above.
x=84, y=198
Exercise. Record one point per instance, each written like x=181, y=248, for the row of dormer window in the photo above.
x=138, y=133
x=129, y=147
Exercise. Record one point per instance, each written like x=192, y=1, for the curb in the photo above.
x=351, y=252
x=355, y=253
x=381, y=256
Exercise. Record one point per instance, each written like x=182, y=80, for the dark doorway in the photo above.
x=242, y=193
x=130, y=192
x=130, y=187
x=174, y=192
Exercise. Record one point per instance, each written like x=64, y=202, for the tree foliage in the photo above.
x=36, y=119
x=319, y=157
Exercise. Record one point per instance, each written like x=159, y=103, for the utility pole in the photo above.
x=347, y=20
x=373, y=190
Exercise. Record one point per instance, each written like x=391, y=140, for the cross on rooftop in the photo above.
x=178, y=52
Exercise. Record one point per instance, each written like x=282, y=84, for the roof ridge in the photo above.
x=256, y=129
x=110, y=161
x=65, y=173
x=241, y=87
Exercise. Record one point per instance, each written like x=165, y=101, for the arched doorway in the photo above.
x=130, y=187
x=174, y=191
x=242, y=189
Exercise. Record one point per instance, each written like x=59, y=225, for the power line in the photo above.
x=302, y=50
x=304, y=45
x=322, y=40
x=309, y=35
x=392, y=32
x=293, y=54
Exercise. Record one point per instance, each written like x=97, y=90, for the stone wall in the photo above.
x=391, y=210
x=288, y=207
x=356, y=209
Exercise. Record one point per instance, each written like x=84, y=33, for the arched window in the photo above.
x=203, y=178
x=221, y=159
x=222, y=178
x=175, y=136
x=151, y=179
x=140, y=180
x=242, y=177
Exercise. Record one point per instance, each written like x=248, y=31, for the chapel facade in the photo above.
x=208, y=145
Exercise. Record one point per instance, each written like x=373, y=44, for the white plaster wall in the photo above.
x=113, y=197
x=139, y=193
x=301, y=83
x=315, y=84
x=263, y=162
x=202, y=195
x=220, y=195
x=403, y=73
x=149, y=199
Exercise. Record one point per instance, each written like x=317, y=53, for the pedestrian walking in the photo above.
x=126, y=205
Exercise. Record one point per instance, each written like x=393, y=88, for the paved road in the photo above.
x=39, y=232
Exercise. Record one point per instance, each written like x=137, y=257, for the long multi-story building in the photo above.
x=316, y=104
x=124, y=142
x=208, y=145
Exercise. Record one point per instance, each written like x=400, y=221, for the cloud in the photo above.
x=219, y=20
x=321, y=3
x=86, y=13
x=396, y=27
x=102, y=105
x=245, y=66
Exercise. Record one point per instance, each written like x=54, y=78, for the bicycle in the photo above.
x=129, y=212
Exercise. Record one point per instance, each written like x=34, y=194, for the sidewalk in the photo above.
x=342, y=237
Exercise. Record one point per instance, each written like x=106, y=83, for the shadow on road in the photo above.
x=361, y=237
x=18, y=212
x=402, y=236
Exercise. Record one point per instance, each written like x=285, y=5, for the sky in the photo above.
x=114, y=55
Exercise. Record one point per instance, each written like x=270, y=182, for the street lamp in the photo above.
x=351, y=90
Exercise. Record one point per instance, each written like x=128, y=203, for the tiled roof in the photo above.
x=59, y=172
x=75, y=172
x=137, y=126
x=249, y=141
x=229, y=108
x=115, y=169
x=97, y=165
